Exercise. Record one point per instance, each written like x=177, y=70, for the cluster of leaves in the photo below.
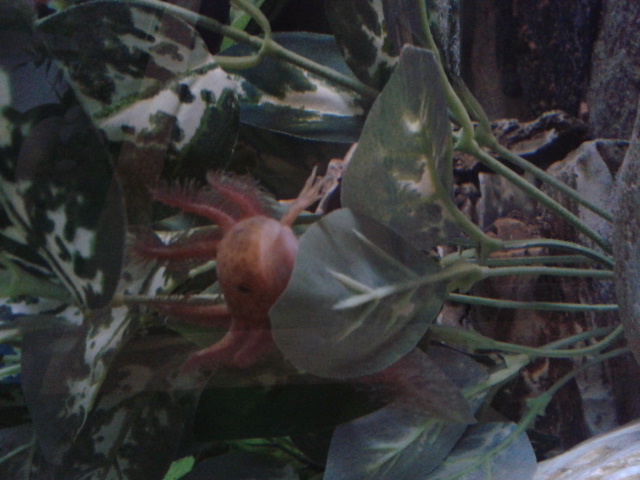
x=126, y=93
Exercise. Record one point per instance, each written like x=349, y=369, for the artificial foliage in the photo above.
x=108, y=290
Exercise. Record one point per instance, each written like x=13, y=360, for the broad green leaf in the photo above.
x=241, y=466
x=405, y=154
x=148, y=81
x=279, y=96
x=179, y=468
x=482, y=454
x=396, y=442
x=62, y=206
x=343, y=255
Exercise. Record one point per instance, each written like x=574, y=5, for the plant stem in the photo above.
x=485, y=137
x=553, y=271
x=467, y=143
x=464, y=269
x=18, y=450
x=531, y=190
x=599, y=257
x=540, y=306
x=475, y=341
x=538, y=405
x=540, y=174
x=541, y=260
x=119, y=299
x=453, y=101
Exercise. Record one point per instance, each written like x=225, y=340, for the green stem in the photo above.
x=540, y=174
x=538, y=405
x=541, y=260
x=532, y=191
x=129, y=300
x=467, y=143
x=18, y=450
x=475, y=341
x=536, y=408
x=453, y=101
x=273, y=49
x=484, y=136
x=599, y=257
x=465, y=272
x=539, y=306
x=553, y=271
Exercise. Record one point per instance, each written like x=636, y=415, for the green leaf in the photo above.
x=63, y=368
x=148, y=81
x=135, y=427
x=179, y=468
x=361, y=31
x=239, y=19
x=405, y=151
x=396, y=441
x=419, y=385
x=282, y=97
x=16, y=280
x=340, y=256
x=483, y=454
x=62, y=205
x=371, y=34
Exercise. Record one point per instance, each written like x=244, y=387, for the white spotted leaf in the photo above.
x=341, y=257
x=405, y=151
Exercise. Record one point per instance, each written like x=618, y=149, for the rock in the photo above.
x=615, y=73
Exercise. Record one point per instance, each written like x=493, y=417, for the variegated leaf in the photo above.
x=345, y=256
x=279, y=96
x=371, y=34
x=68, y=354
x=135, y=428
x=396, y=441
x=62, y=206
x=360, y=29
x=405, y=152
x=148, y=80
x=63, y=367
